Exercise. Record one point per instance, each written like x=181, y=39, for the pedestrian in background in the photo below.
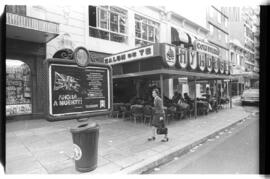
x=158, y=117
x=208, y=97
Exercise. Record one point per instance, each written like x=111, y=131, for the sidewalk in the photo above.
x=39, y=146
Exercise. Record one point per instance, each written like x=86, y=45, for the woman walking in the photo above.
x=158, y=117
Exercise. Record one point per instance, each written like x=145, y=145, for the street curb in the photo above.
x=169, y=155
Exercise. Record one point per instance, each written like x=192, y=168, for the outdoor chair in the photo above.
x=147, y=113
x=178, y=113
x=124, y=112
x=171, y=113
x=115, y=111
x=224, y=101
x=202, y=107
x=214, y=104
x=136, y=112
x=190, y=110
x=184, y=107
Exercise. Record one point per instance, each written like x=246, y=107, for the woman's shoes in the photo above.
x=166, y=139
x=151, y=138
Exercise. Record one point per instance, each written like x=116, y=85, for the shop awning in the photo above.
x=179, y=37
x=170, y=73
x=251, y=75
x=193, y=38
x=30, y=29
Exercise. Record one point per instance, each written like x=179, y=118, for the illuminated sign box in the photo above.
x=77, y=88
x=131, y=55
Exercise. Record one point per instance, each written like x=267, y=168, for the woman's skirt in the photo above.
x=156, y=122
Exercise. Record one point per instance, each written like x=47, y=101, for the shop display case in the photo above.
x=18, y=90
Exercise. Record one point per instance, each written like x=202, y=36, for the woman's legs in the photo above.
x=165, y=139
x=153, y=137
x=153, y=131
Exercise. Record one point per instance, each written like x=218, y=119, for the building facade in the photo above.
x=103, y=30
x=26, y=39
x=217, y=23
x=244, y=32
x=237, y=53
x=256, y=30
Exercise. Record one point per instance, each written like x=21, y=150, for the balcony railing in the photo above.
x=32, y=23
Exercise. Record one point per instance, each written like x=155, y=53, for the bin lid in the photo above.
x=84, y=127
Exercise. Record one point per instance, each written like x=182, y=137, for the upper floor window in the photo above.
x=219, y=18
x=146, y=31
x=226, y=38
x=233, y=60
x=219, y=34
x=211, y=28
x=241, y=60
x=212, y=12
x=226, y=22
x=108, y=23
x=237, y=59
x=16, y=9
x=248, y=32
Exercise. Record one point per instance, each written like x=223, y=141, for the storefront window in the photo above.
x=18, y=88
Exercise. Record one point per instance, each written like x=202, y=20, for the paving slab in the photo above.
x=35, y=146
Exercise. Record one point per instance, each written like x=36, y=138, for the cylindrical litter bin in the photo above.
x=85, y=146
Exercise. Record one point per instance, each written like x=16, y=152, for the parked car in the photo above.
x=250, y=96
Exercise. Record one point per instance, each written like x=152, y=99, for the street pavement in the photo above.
x=42, y=147
x=233, y=151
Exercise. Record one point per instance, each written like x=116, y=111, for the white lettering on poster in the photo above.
x=68, y=100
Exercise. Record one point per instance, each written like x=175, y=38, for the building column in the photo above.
x=237, y=89
x=138, y=85
x=168, y=88
x=161, y=88
x=227, y=89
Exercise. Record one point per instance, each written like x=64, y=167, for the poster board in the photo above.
x=75, y=91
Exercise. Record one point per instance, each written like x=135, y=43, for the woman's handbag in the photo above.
x=162, y=130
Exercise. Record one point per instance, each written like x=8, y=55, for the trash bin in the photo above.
x=85, y=146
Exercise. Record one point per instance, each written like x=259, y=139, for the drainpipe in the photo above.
x=230, y=93
x=195, y=101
